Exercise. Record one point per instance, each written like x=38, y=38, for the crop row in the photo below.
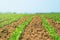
x=50, y=29
x=20, y=29
x=9, y=19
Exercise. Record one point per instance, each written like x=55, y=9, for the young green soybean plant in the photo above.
x=17, y=33
x=49, y=28
x=6, y=19
x=55, y=17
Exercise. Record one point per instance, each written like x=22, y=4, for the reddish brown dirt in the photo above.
x=55, y=25
x=35, y=31
x=6, y=31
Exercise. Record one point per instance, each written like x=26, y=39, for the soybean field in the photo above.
x=41, y=26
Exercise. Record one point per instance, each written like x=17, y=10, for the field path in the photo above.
x=35, y=31
x=6, y=31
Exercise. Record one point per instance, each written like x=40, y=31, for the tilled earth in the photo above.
x=55, y=25
x=35, y=31
x=6, y=31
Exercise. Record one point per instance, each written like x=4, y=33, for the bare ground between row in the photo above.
x=35, y=31
x=55, y=25
x=7, y=31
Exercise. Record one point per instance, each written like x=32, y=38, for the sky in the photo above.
x=29, y=6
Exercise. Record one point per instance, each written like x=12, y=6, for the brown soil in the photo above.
x=35, y=31
x=6, y=31
x=55, y=25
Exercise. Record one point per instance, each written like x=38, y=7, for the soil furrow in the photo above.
x=55, y=25
x=35, y=31
x=6, y=31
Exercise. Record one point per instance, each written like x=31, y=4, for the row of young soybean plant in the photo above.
x=49, y=28
x=55, y=17
x=20, y=29
x=6, y=19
